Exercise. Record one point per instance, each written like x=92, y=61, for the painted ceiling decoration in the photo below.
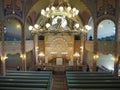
x=106, y=9
x=13, y=7
x=41, y=16
x=42, y=4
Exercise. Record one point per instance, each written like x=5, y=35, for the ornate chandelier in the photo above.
x=65, y=11
x=59, y=18
x=63, y=8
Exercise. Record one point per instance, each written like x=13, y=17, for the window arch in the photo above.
x=106, y=30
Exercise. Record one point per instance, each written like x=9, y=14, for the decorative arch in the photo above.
x=18, y=28
x=118, y=28
x=106, y=17
x=59, y=45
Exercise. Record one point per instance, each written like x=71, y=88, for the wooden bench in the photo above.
x=25, y=77
x=35, y=85
x=78, y=72
x=94, y=89
x=89, y=75
x=32, y=75
x=94, y=85
x=34, y=72
x=21, y=88
x=24, y=80
x=93, y=81
x=90, y=78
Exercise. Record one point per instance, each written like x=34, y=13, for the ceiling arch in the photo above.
x=84, y=12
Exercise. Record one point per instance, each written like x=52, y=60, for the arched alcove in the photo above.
x=12, y=30
x=13, y=38
x=106, y=61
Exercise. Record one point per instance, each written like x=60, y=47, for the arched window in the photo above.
x=106, y=30
x=90, y=33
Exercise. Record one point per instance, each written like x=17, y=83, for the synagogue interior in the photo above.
x=66, y=44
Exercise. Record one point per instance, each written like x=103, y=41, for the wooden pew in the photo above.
x=94, y=85
x=21, y=88
x=91, y=78
x=94, y=72
x=92, y=81
x=34, y=72
x=88, y=75
x=23, y=81
x=32, y=80
x=94, y=89
x=25, y=77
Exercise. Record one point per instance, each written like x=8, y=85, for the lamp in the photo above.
x=76, y=29
x=41, y=54
x=59, y=18
x=76, y=54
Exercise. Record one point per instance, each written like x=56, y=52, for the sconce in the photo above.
x=76, y=54
x=36, y=49
x=115, y=59
x=96, y=56
x=3, y=57
x=81, y=48
x=23, y=56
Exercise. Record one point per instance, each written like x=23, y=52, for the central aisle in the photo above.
x=59, y=81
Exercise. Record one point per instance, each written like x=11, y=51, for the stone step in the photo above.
x=59, y=82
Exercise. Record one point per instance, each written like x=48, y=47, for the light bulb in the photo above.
x=43, y=12
x=61, y=8
x=30, y=27
x=47, y=25
x=36, y=25
x=53, y=8
x=68, y=8
x=77, y=25
x=47, y=9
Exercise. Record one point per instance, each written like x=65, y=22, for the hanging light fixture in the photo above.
x=57, y=18
x=62, y=9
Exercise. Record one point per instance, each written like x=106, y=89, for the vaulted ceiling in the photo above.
x=84, y=12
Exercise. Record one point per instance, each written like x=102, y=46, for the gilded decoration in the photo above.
x=13, y=7
x=119, y=48
x=105, y=9
x=119, y=29
x=58, y=46
x=106, y=47
x=13, y=47
x=89, y=46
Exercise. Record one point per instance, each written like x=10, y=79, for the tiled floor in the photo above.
x=59, y=82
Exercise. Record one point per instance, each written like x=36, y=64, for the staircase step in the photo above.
x=59, y=81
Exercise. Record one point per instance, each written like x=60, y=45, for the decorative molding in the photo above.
x=13, y=47
x=106, y=9
x=13, y=7
x=106, y=47
x=89, y=46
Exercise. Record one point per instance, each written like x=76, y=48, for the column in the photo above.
x=95, y=48
x=82, y=48
x=36, y=48
x=3, y=71
x=116, y=58
x=116, y=63
x=23, y=53
x=3, y=56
